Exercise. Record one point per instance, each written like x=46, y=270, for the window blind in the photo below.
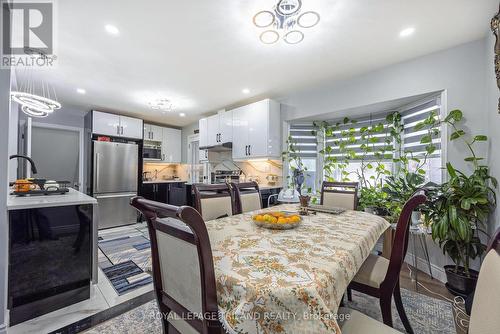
x=412, y=137
x=381, y=139
x=304, y=141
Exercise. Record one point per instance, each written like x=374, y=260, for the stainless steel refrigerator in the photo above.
x=115, y=173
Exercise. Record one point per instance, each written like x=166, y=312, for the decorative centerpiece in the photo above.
x=277, y=220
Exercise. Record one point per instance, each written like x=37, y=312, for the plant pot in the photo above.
x=459, y=283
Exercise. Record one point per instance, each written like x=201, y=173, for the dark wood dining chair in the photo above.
x=340, y=194
x=379, y=277
x=246, y=196
x=484, y=317
x=183, y=269
x=213, y=200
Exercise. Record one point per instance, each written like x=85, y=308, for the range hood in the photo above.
x=224, y=147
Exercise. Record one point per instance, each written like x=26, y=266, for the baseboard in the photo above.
x=437, y=271
x=3, y=329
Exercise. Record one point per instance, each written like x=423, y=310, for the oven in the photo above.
x=152, y=151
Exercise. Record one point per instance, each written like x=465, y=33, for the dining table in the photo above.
x=288, y=281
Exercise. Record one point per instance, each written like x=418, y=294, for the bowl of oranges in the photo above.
x=277, y=220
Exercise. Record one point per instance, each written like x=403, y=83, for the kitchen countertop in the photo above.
x=73, y=197
x=163, y=181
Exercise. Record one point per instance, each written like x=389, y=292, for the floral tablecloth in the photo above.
x=291, y=281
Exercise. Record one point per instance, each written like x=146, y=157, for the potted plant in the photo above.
x=459, y=209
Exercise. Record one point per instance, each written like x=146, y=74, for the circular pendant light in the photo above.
x=294, y=37
x=288, y=7
x=263, y=19
x=269, y=37
x=308, y=19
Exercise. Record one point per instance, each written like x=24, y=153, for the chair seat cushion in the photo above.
x=354, y=322
x=373, y=271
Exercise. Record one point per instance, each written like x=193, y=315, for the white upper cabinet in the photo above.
x=153, y=132
x=116, y=125
x=171, y=145
x=257, y=131
x=203, y=132
x=216, y=130
x=213, y=130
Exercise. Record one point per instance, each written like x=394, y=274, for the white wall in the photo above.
x=5, y=82
x=492, y=96
x=459, y=71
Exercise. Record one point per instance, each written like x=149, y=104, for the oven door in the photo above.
x=151, y=153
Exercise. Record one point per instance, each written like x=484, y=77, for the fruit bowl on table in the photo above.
x=277, y=220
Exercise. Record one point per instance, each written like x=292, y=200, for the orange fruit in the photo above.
x=281, y=220
x=259, y=218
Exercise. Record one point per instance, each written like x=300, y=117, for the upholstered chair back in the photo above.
x=246, y=196
x=183, y=270
x=340, y=194
x=213, y=200
x=485, y=315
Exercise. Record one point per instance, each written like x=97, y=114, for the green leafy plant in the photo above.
x=460, y=207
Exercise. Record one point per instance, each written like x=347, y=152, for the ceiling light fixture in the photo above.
x=182, y=114
x=294, y=37
x=162, y=104
x=284, y=22
x=37, y=99
x=269, y=37
x=111, y=29
x=245, y=91
x=81, y=91
x=407, y=32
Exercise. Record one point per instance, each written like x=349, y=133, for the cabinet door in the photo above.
x=148, y=191
x=147, y=132
x=177, y=194
x=203, y=156
x=157, y=133
x=213, y=130
x=203, y=132
x=171, y=145
x=226, y=127
x=162, y=192
x=258, y=123
x=131, y=127
x=105, y=124
x=240, y=133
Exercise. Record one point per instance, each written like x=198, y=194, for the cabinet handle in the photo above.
x=121, y=127
x=117, y=129
x=249, y=149
x=246, y=150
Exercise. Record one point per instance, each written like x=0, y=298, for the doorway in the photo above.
x=58, y=152
x=195, y=171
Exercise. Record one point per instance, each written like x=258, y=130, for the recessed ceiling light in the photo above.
x=81, y=91
x=407, y=32
x=294, y=37
x=245, y=91
x=182, y=114
x=111, y=29
x=269, y=37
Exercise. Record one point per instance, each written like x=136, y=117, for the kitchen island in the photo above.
x=52, y=252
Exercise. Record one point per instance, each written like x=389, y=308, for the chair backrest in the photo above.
x=485, y=314
x=183, y=269
x=213, y=200
x=340, y=194
x=400, y=243
x=246, y=197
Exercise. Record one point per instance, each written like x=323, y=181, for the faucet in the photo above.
x=32, y=163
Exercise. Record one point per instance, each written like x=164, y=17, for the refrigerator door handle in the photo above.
x=96, y=172
x=116, y=195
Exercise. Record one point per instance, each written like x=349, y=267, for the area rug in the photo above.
x=426, y=315
x=125, y=257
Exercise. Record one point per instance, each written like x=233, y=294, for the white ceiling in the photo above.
x=201, y=54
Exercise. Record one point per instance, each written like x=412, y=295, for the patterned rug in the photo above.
x=125, y=257
x=426, y=315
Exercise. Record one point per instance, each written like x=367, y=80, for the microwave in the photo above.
x=152, y=151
